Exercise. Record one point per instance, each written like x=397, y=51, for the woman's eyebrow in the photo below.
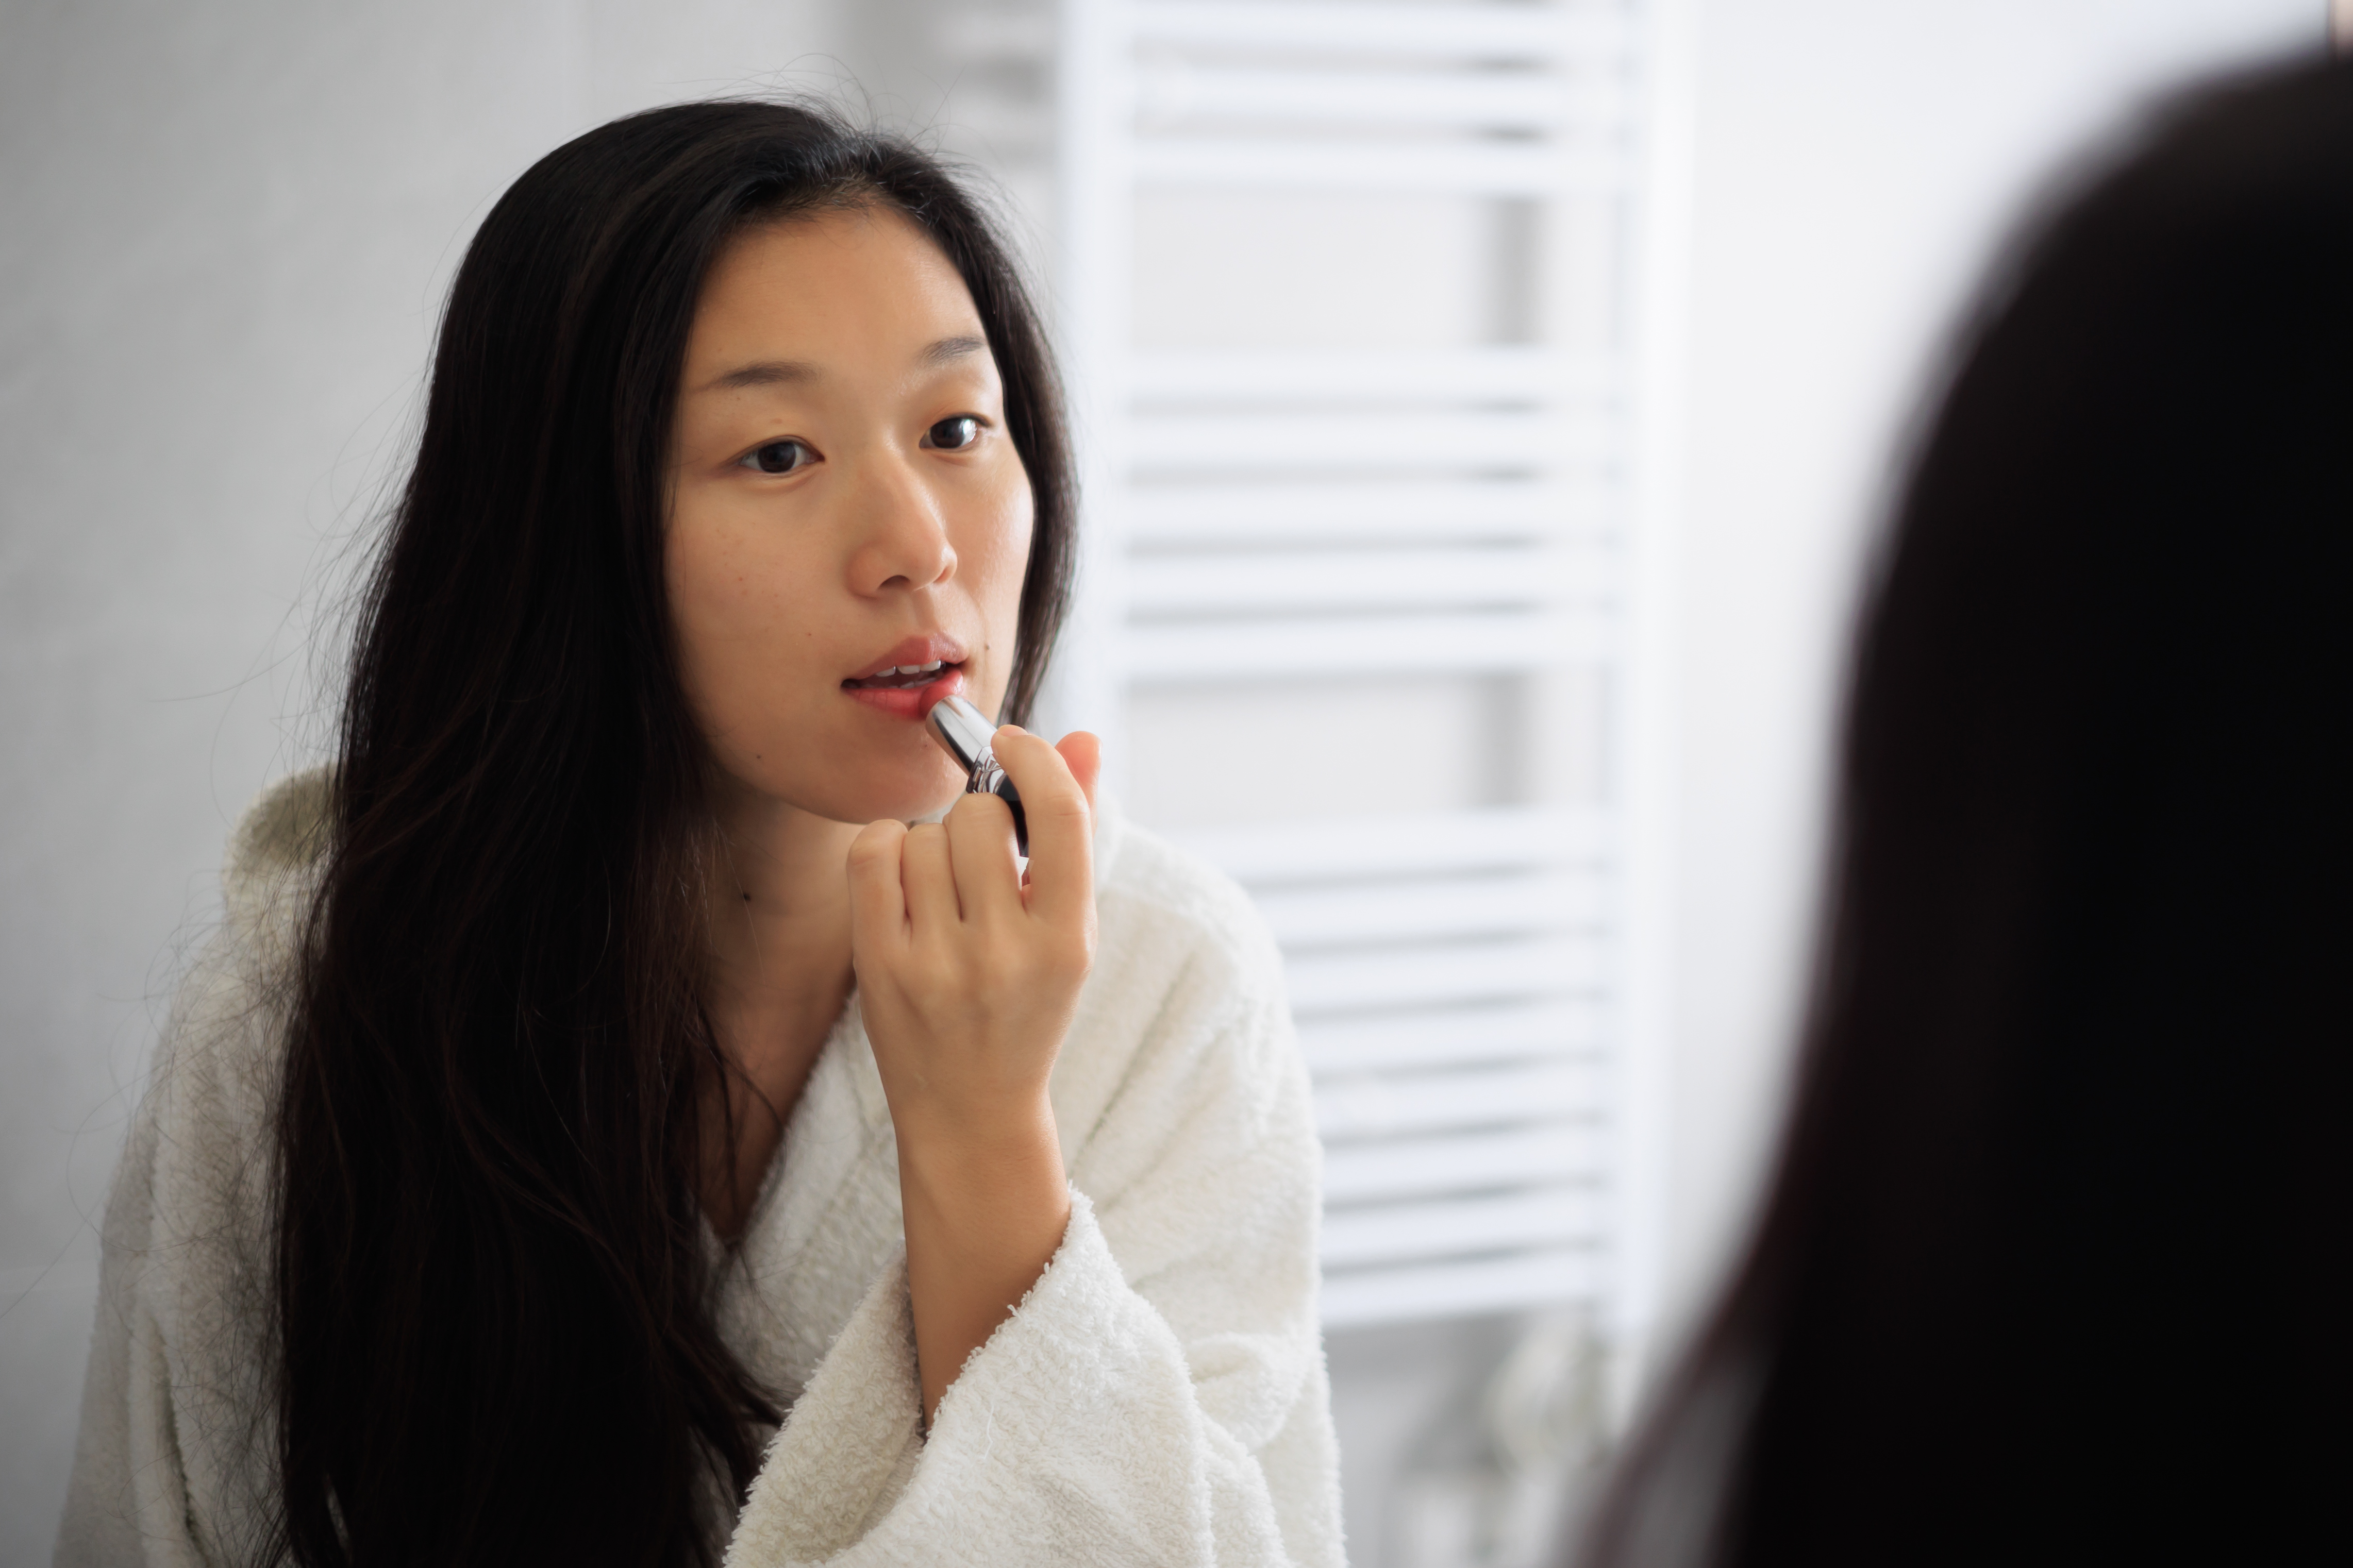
x=763, y=373
x=789, y=372
x=947, y=350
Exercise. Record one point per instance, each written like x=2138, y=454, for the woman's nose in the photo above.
x=901, y=530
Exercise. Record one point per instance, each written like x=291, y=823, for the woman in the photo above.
x=542, y=1132
x=2054, y=1265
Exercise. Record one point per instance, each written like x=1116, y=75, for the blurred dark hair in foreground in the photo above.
x=2057, y=1261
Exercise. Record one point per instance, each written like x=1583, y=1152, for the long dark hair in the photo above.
x=491, y=1287
x=2057, y=1262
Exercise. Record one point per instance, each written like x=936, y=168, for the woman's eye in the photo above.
x=954, y=434
x=778, y=457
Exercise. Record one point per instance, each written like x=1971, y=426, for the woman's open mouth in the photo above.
x=902, y=677
x=922, y=673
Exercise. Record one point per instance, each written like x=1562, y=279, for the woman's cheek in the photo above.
x=719, y=616
x=995, y=584
x=1000, y=557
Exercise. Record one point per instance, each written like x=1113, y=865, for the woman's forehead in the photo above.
x=858, y=285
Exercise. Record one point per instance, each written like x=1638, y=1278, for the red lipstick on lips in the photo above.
x=914, y=674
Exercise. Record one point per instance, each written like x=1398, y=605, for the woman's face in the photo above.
x=847, y=504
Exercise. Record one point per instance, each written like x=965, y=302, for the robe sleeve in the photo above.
x=1157, y=1398
x=128, y=1502
x=172, y=1465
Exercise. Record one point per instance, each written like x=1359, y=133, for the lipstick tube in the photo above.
x=962, y=734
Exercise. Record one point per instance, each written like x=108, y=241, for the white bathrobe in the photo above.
x=1158, y=1397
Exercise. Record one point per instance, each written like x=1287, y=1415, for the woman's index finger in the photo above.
x=877, y=905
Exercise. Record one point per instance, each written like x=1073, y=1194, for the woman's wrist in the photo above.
x=979, y=1167
x=985, y=1202
x=971, y=1127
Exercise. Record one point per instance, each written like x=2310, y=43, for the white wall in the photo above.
x=1853, y=161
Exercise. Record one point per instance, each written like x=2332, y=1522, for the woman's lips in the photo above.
x=927, y=652
x=910, y=702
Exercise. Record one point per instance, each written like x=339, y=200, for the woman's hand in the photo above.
x=968, y=979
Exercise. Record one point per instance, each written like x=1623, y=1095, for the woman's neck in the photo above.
x=779, y=975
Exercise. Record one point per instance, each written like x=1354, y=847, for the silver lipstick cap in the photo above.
x=965, y=734
x=961, y=733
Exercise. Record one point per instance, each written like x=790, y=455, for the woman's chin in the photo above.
x=840, y=772
x=926, y=808
x=903, y=799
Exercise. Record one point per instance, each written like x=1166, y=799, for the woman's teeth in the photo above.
x=901, y=675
